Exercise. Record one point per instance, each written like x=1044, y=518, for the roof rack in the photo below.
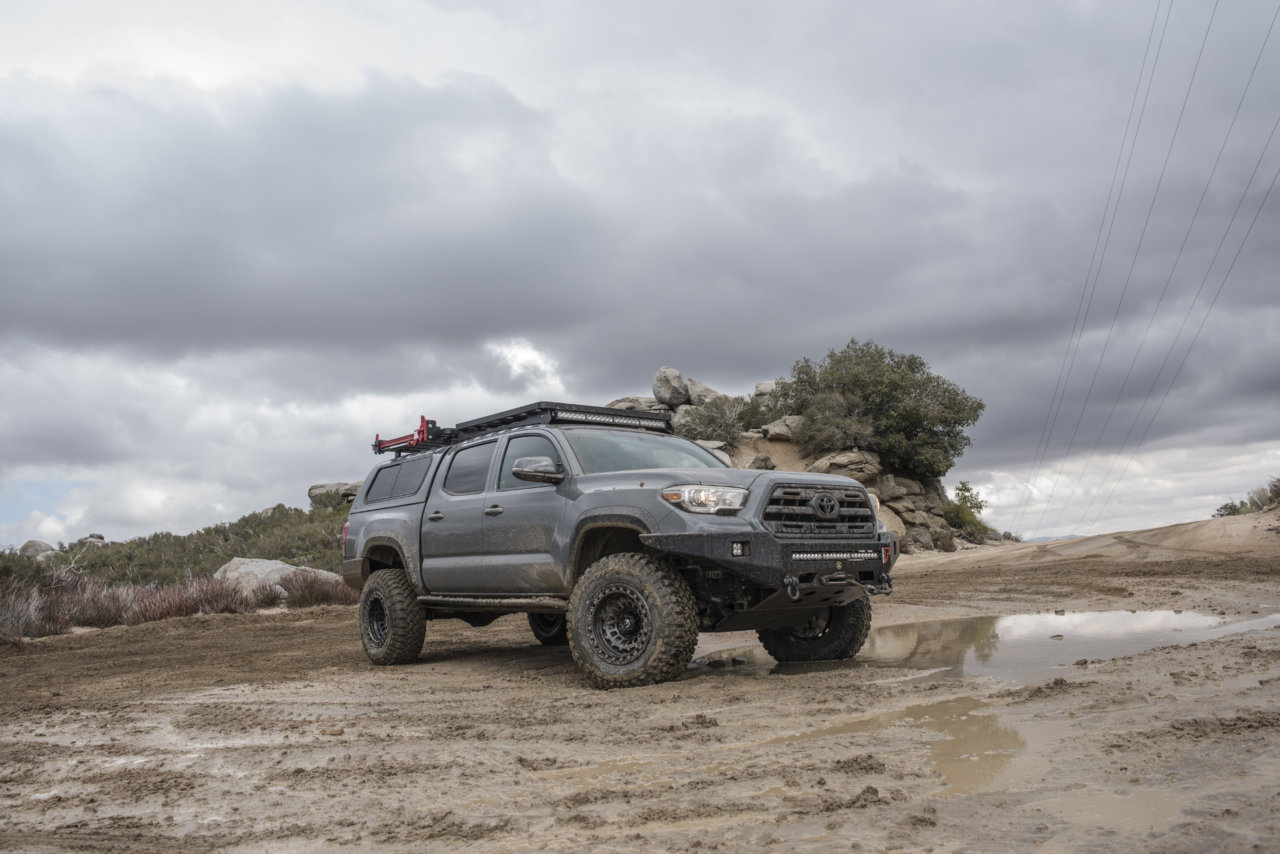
x=428, y=436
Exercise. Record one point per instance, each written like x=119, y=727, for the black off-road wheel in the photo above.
x=829, y=635
x=549, y=629
x=632, y=621
x=393, y=623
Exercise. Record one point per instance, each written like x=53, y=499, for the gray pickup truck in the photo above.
x=614, y=537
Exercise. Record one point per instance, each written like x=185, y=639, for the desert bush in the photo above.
x=1273, y=489
x=944, y=541
x=15, y=565
x=21, y=603
x=78, y=600
x=834, y=420
x=159, y=603
x=718, y=420
x=756, y=414
x=964, y=515
x=1229, y=509
x=218, y=596
x=917, y=418
x=269, y=596
x=1258, y=498
x=308, y=589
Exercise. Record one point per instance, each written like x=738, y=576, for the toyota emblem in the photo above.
x=826, y=505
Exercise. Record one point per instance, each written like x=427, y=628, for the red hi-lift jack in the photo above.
x=428, y=435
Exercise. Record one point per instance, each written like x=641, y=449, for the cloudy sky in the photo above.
x=239, y=238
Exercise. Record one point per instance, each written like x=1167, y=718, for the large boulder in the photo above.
x=784, y=429
x=251, y=573
x=332, y=491
x=863, y=466
x=638, y=404
x=892, y=522
x=764, y=392
x=670, y=388
x=718, y=449
x=34, y=549
x=700, y=392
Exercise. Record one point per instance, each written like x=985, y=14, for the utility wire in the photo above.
x=1077, y=327
x=1133, y=263
x=1212, y=303
x=1168, y=281
x=1092, y=288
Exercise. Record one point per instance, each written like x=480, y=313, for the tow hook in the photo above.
x=792, y=585
x=885, y=587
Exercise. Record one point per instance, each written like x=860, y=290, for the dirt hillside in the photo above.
x=1115, y=693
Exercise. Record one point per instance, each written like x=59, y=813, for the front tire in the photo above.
x=829, y=635
x=632, y=620
x=393, y=623
x=549, y=629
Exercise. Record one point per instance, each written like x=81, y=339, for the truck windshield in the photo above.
x=633, y=450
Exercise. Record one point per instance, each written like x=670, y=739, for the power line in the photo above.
x=1169, y=279
x=1133, y=263
x=1077, y=327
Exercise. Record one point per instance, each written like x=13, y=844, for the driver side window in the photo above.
x=524, y=446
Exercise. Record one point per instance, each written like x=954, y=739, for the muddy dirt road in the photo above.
x=1152, y=725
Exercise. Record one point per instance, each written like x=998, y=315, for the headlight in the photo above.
x=706, y=499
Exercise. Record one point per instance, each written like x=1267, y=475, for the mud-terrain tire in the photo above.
x=393, y=623
x=632, y=621
x=833, y=634
x=549, y=629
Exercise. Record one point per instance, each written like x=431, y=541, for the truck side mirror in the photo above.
x=537, y=470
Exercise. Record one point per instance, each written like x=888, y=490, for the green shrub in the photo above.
x=834, y=420
x=964, y=515
x=718, y=420
x=917, y=418
x=757, y=413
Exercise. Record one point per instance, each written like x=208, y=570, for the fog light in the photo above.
x=740, y=549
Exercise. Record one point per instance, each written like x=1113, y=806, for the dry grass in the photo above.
x=308, y=589
x=61, y=599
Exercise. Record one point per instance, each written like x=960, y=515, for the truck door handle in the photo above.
x=435, y=517
x=495, y=510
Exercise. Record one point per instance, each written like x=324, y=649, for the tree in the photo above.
x=913, y=418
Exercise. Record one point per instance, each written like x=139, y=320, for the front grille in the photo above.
x=808, y=511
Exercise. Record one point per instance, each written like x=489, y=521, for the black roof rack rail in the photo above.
x=429, y=436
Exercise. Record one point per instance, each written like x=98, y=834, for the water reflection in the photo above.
x=1022, y=648
x=1027, y=647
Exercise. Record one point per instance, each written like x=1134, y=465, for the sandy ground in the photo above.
x=271, y=732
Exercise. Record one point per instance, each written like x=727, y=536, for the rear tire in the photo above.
x=632, y=620
x=393, y=623
x=549, y=629
x=830, y=635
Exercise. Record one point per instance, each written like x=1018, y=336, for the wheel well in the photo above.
x=601, y=542
x=384, y=557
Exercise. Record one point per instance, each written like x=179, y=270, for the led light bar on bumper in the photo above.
x=706, y=499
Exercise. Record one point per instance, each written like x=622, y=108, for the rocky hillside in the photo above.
x=914, y=505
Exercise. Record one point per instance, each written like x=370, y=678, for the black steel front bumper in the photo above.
x=797, y=569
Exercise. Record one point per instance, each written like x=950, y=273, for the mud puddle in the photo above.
x=973, y=749
x=1018, y=649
